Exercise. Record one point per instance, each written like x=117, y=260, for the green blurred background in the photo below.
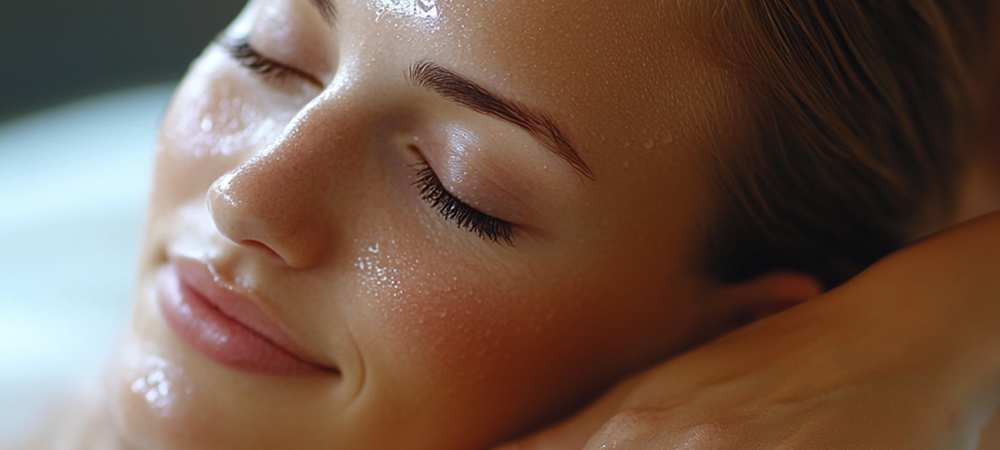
x=56, y=50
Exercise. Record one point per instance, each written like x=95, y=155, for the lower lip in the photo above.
x=223, y=340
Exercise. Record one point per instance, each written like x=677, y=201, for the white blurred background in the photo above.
x=73, y=184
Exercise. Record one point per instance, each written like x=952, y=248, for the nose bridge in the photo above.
x=283, y=200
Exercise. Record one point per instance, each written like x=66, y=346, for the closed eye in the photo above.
x=453, y=209
x=245, y=54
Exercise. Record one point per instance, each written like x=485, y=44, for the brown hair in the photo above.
x=854, y=138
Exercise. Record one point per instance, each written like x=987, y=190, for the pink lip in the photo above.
x=225, y=326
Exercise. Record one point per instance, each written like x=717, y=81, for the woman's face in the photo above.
x=469, y=217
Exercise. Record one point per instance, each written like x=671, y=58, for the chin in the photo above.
x=166, y=396
x=155, y=402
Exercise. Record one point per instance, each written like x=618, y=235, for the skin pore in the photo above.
x=291, y=165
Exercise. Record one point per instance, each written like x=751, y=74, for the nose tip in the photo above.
x=220, y=195
x=264, y=213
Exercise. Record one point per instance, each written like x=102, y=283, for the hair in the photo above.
x=856, y=120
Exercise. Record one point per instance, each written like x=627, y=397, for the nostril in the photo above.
x=259, y=206
x=250, y=243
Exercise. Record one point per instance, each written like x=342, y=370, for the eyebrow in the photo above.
x=467, y=93
x=326, y=9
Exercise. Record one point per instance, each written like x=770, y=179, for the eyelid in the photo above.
x=453, y=209
x=243, y=52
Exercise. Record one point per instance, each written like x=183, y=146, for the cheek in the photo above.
x=440, y=309
x=461, y=339
x=216, y=120
x=427, y=311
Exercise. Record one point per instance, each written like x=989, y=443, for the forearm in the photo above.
x=943, y=296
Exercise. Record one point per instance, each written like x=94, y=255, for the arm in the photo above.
x=906, y=355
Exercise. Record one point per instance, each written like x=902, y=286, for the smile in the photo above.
x=227, y=327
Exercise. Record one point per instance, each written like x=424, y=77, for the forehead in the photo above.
x=632, y=73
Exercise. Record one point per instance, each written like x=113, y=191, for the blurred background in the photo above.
x=55, y=50
x=82, y=88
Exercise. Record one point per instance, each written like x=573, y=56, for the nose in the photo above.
x=282, y=202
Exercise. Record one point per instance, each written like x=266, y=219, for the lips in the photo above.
x=226, y=326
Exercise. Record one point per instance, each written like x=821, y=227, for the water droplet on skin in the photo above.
x=155, y=383
x=626, y=164
x=206, y=124
x=668, y=139
x=649, y=144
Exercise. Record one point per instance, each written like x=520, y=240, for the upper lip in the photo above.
x=239, y=304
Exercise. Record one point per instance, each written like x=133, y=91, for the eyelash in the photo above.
x=248, y=57
x=484, y=225
x=240, y=50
